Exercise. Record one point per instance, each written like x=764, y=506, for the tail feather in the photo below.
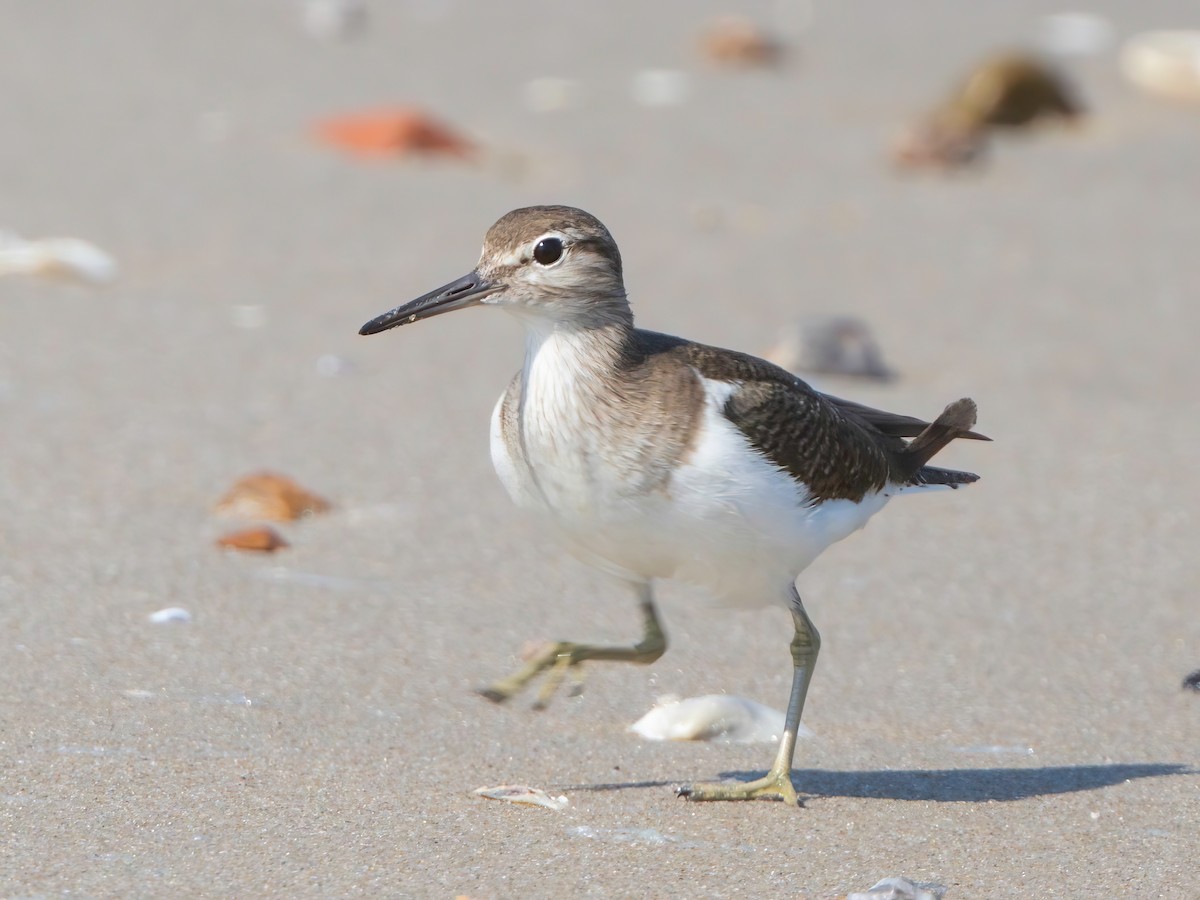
x=956, y=421
x=952, y=478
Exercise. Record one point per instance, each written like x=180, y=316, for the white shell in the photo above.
x=334, y=19
x=547, y=95
x=523, y=795
x=660, y=87
x=899, y=889
x=248, y=316
x=58, y=257
x=170, y=614
x=1165, y=63
x=714, y=717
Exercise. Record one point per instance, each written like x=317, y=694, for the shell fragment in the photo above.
x=523, y=795
x=714, y=717
x=68, y=258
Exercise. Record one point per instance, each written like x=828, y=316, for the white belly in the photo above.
x=728, y=520
x=749, y=527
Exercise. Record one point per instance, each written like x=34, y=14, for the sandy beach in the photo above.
x=997, y=707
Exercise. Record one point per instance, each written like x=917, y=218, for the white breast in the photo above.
x=558, y=455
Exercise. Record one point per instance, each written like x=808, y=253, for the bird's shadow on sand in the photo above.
x=949, y=785
x=967, y=785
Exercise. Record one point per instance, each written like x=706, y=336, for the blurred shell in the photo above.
x=660, y=87
x=393, y=132
x=69, y=258
x=547, y=95
x=522, y=794
x=1011, y=90
x=713, y=717
x=170, y=615
x=830, y=345
x=259, y=540
x=1007, y=91
x=334, y=19
x=1166, y=63
x=931, y=145
x=734, y=41
x=266, y=495
x=248, y=315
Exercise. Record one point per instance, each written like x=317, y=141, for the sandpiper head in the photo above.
x=550, y=264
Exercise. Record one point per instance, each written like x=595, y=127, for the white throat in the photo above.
x=561, y=357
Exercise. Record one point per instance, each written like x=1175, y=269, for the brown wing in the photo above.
x=835, y=455
x=802, y=433
x=838, y=448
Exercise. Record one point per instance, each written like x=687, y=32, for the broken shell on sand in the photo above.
x=67, y=258
x=523, y=795
x=1166, y=63
x=713, y=717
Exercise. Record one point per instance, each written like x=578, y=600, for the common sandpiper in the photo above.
x=656, y=457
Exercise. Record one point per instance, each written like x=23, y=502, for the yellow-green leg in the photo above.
x=561, y=656
x=776, y=784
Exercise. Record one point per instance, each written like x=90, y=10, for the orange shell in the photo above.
x=737, y=41
x=260, y=540
x=266, y=495
x=392, y=132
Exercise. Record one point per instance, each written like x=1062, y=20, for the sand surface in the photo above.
x=997, y=707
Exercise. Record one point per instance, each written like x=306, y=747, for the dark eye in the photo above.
x=548, y=251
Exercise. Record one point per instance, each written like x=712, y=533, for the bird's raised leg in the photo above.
x=561, y=656
x=777, y=783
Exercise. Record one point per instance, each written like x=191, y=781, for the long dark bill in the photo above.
x=466, y=291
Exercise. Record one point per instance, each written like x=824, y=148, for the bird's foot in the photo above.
x=776, y=785
x=556, y=659
x=559, y=658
